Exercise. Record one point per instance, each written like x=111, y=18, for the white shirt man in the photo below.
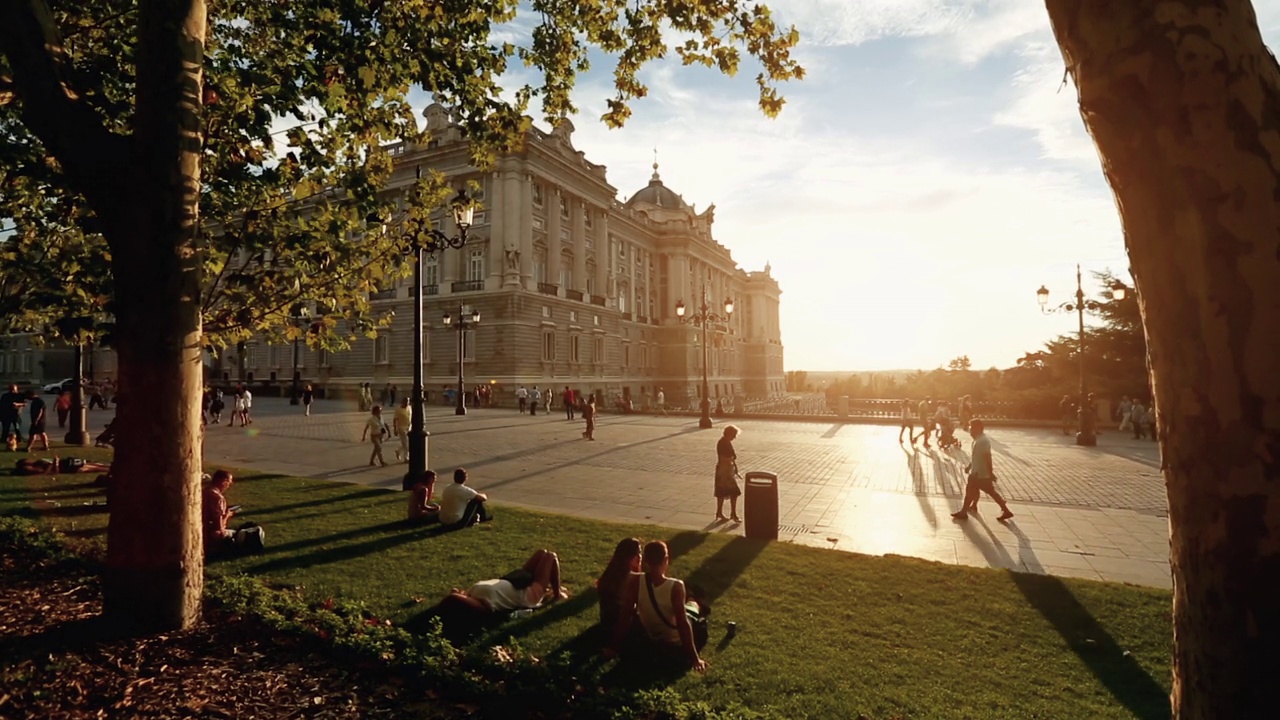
x=982, y=477
x=459, y=504
x=662, y=401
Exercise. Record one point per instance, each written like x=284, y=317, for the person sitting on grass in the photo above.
x=462, y=506
x=537, y=581
x=663, y=608
x=55, y=466
x=215, y=513
x=421, y=509
x=612, y=584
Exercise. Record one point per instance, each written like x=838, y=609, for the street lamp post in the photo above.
x=299, y=318
x=421, y=242
x=701, y=317
x=1087, y=434
x=465, y=322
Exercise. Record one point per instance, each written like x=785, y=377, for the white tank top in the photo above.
x=653, y=625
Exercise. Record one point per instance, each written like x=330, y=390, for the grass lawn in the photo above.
x=821, y=633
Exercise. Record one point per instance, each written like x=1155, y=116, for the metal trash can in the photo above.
x=760, y=505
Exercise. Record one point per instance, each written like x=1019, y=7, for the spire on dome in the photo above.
x=654, y=176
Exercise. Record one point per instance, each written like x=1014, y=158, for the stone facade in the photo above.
x=27, y=362
x=573, y=287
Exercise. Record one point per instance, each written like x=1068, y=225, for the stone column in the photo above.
x=603, y=251
x=553, y=239
x=579, y=270
x=498, y=220
x=523, y=238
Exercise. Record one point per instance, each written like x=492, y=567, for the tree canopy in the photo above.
x=303, y=107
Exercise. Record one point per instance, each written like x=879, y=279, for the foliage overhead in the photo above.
x=304, y=106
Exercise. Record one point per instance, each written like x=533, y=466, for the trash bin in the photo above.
x=844, y=406
x=760, y=505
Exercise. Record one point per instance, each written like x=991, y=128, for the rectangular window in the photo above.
x=26, y=362
x=548, y=346
x=564, y=235
x=565, y=274
x=251, y=356
x=595, y=319
x=574, y=353
x=539, y=266
x=322, y=357
x=431, y=271
x=468, y=346
x=475, y=265
x=381, y=350
x=537, y=194
x=626, y=356
x=587, y=215
x=622, y=249
x=546, y=311
x=564, y=209
x=591, y=282
x=599, y=351
x=573, y=316
x=539, y=223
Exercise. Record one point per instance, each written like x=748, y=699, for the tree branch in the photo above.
x=51, y=109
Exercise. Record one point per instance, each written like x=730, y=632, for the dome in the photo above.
x=655, y=193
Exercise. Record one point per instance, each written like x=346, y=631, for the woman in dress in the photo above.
x=726, y=475
x=308, y=395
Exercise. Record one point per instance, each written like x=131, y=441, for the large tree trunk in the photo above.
x=1183, y=101
x=154, y=575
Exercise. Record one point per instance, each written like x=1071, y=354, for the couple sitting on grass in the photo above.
x=460, y=506
x=648, y=611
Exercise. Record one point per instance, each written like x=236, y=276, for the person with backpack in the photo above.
x=667, y=613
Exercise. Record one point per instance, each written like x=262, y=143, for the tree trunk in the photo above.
x=1183, y=102
x=155, y=568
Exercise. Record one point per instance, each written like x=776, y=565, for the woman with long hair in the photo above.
x=612, y=585
x=660, y=603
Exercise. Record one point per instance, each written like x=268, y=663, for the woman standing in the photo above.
x=307, y=396
x=726, y=475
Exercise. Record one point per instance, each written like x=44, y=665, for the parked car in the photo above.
x=57, y=387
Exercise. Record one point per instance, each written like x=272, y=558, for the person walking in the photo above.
x=216, y=406
x=925, y=412
x=400, y=425
x=1068, y=410
x=907, y=426
x=1137, y=418
x=726, y=485
x=374, y=430
x=535, y=397
x=982, y=477
x=570, y=402
x=522, y=398
x=1123, y=411
x=662, y=401
x=589, y=414
x=248, y=407
x=11, y=404
x=63, y=406
x=36, y=407
x=237, y=407
x=308, y=394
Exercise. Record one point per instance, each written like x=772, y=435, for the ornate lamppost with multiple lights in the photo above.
x=1086, y=434
x=421, y=242
x=701, y=316
x=464, y=322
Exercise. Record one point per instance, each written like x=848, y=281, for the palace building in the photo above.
x=573, y=286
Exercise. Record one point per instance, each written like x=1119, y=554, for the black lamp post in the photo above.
x=421, y=242
x=300, y=317
x=465, y=322
x=1086, y=435
x=701, y=317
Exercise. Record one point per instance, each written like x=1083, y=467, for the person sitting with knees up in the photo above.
x=461, y=506
x=421, y=509
x=663, y=607
x=612, y=584
x=215, y=514
x=538, y=580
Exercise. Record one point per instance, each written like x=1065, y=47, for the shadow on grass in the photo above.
x=1120, y=674
x=411, y=533
x=717, y=573
x=355, y=495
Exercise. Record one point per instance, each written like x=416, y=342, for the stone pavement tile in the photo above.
x=1064, y=571
x=1039, y=557
x=1138, y=572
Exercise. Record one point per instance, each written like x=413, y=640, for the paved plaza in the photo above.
x=1082, y=512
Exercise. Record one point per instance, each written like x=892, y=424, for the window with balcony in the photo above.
x=431, y=271
x=475, y=265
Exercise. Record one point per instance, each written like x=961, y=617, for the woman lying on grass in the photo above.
x=54, y=466
x=662, y=606
x=525, y=588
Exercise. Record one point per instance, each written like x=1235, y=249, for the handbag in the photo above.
x=697, y=620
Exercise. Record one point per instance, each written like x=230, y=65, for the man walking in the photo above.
x=589, y=414
x=535, y=397
x=400, y=424
x=925, y=412
x=982, y=477
x=570, y=402
x=11, y=413
x=374, y=430
x=38, y=417
x=522, y=397
x=907, y=426
x=662, y=402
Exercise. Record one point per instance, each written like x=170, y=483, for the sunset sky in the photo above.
x=928, y=175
